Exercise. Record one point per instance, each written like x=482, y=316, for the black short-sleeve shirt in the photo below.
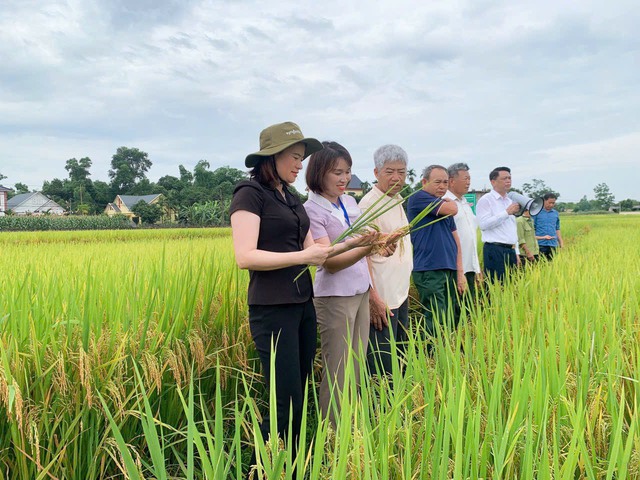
x=283, y=227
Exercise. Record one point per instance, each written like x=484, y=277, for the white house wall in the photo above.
x=38, y=203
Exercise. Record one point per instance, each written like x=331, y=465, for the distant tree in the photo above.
x=186, y=177
x=2, y=177
x=603, y=195
x=148, y=213
x=627, y=204
x=57, y=190
x=128, y=167
x=411, y=175
x=537, y=188
x=583, y=205
x=170, y=183
x=21, y=188
x=225, y=180
x=102, y=195
x=366, y=187
x=78, y=169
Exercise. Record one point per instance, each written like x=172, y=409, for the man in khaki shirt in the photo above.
x=388, y=297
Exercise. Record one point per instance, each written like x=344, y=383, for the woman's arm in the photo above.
x=348, y=252
x=245, y=227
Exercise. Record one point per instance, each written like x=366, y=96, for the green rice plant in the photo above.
x=144, y=333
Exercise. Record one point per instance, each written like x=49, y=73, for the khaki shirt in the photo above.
x=527, y=235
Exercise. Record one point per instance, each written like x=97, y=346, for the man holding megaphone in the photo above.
x=496, y=219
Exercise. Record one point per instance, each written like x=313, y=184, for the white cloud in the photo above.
x=550, y=84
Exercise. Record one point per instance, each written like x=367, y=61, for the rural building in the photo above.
x=355, y=185
x=33, y=203
x=124, y=203
x=3, y=199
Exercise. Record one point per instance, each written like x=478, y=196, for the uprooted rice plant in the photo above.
x=128, y=354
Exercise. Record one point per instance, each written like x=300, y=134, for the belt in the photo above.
x=503, y=245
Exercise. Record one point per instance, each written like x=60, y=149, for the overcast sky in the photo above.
x=551, y=89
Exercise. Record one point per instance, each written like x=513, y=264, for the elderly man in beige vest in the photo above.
x=388, y=297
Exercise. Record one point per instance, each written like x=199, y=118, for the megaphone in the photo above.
x=534, y=205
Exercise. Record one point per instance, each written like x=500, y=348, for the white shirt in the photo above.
x=467, y=226
x=496, y=224
x=391, y=275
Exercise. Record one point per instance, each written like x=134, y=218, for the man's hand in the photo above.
x=530, y=256
x=513, y=208
x=462, y=283
x=378, y=311
x=518, y=262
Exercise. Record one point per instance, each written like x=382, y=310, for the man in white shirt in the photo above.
x=496, y=218
x=389, y=295
x=466, y=223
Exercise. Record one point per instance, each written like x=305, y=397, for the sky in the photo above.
x=550, y=89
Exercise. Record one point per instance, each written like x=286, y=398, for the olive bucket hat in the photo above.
x=276, y=138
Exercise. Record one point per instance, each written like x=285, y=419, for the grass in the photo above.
x=128, y=354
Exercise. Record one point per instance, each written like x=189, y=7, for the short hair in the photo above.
x=389, y=153
x=549, y=195
x=496, y=171
x=427, y=171
x=456, y=168
x=265, y=172
x=322, y=162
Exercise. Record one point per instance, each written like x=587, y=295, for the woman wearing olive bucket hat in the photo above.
x=271, y=239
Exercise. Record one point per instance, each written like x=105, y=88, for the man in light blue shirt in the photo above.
x=547, y=224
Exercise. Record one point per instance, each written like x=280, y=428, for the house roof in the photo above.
x=19, y=199
x=355, y=182
x=114, y=207
x=131, y=200
x=5, y=189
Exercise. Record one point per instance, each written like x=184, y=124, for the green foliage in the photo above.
x=127, y=354
x=209, y=214
x=604, y=197
x=628, y=204
x=129, y=167
x=32, y=223
x=537, y=188
x=21, y=188
x=148, y=213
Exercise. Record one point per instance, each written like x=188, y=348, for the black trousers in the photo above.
x=291, y=328
x=548, y=251
x=379, y=353
x=496, y=261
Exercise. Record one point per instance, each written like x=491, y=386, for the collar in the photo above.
x=379, y=193
x=327, y=205
x=497, y=196
x=453, y=197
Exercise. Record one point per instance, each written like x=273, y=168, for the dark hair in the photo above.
x=322, y=162
x=426, y=173
x=496, y=171
x=549, y=195
x=265, y=172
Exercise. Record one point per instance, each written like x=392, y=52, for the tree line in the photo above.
x=199, y=196
x=603, y=199
x=202, y=196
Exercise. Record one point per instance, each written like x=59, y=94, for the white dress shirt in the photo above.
x=496, y=224
x=468, y=232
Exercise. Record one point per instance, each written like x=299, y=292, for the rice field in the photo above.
x=127, y=354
